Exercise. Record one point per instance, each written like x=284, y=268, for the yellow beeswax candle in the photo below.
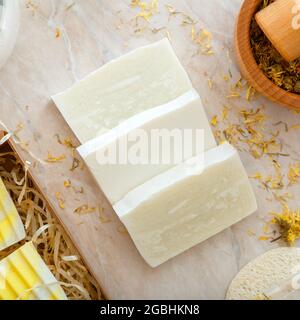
x=11, y=226
x=24, y=275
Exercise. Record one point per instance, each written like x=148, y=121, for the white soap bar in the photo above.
x=142, y=79
x=180, y=115
x=184, y=206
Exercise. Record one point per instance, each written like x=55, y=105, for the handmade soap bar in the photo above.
x=11, y=226
x=24, y=275
x=182, y=116
x=187, y=204
x=142, y=79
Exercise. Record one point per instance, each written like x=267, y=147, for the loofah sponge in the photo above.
x=261, y=275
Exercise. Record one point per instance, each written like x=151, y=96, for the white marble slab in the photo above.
x=92, y=33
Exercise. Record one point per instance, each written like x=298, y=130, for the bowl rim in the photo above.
x=248, y=65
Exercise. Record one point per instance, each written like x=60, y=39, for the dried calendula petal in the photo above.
x=210, y=83
x=84, y=209
x=61, y=201
x=203, y=39
x=266, y=228
x=250, y=93
x=256, y=176
x=294, y=173
x=253, y=116
x=225, y=112
x=226, y=77
x=147, y=10
x=289, y=224
x=67, y=183
x=233, y=94
x=282, y=198
x=51, y=158
x=135, y=3
x=296, y=126
x=57, y=33
x=263, y=238
x=67, y=142
x=214, y=121
x=32, y=6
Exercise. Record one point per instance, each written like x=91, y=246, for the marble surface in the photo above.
x=60, y=42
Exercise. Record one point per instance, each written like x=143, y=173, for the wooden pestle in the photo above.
x=280, y=21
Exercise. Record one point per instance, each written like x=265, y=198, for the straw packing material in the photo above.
x=49, y=237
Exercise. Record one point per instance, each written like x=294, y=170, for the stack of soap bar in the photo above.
x=185, y=112
x=167, y=208
x=11, y=226
x=24, y=275
x=142, y=79
x=187, y=204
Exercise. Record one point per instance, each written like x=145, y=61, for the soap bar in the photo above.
x=182, y=115
x=24, y=275
x=187, y=204
x=142, y=79
x=11, y=227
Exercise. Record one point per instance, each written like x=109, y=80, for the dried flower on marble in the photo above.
x=57, y=33
x=84, y=209
x=147, y=10
x=288, y=222
x=61, y=201
x=50, y=158
x=214, y=121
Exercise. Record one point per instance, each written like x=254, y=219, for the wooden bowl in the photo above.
x=247, y=64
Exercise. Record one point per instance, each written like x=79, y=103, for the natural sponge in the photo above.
x=257, y=279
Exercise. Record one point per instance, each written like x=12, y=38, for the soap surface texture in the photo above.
x=183, y=114
x=142, y=79
x=187, y=204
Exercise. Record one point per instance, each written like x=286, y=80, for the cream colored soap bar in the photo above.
x=116, y=180
x=24, y=275
x=11, y=226
x=142, y=79
x=186, y=205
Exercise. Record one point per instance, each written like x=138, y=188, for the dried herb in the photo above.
x=289, y=224
x=146, y=10
x=51, y=158
x=84, y=209
x=284, y=74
